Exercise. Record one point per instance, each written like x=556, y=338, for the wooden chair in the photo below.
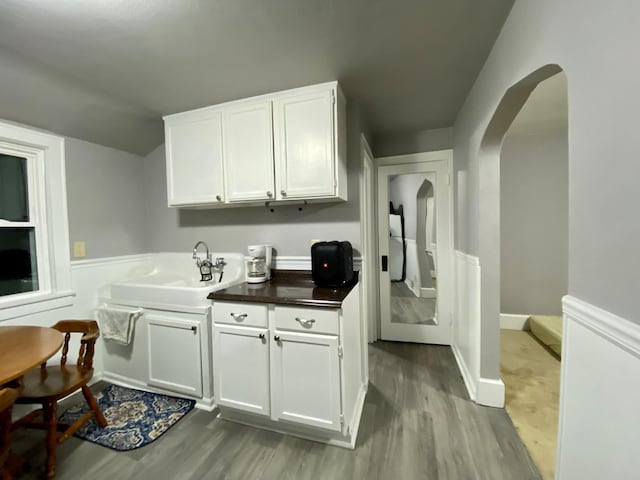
x=8, y=397
x=47, y=385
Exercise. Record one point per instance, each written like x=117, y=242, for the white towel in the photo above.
x=116, y=323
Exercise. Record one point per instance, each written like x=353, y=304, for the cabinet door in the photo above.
x=248, y=152
x=304, y=140
x=175, y=361
x=306, y=379
x=194, y=160
x=241, y=368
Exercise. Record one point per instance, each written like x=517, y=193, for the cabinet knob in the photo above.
x=194, y=328
x=276, y=338
x=261, y=336
x=283, y=193
x=218, y=198
x=269, y=194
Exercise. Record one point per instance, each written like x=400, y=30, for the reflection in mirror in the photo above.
x=412, y=248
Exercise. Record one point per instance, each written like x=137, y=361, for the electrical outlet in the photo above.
x=79, y=249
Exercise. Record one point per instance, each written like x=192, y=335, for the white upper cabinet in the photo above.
x=194, y=159
x=248, y=152
x=304, y=143
x=285, y=146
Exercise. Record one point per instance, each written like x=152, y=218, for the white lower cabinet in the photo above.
x=241, y=368
x=306, y=379
x=175, y=360
x=292, y=369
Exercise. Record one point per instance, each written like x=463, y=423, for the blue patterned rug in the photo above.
x=135, y=418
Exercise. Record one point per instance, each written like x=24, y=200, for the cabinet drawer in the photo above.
x=248, y=314
x=312, y=320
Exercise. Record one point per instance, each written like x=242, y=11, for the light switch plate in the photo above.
x=79, y=249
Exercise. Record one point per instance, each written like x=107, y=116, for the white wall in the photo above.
x=599, y=416
x=534, y=194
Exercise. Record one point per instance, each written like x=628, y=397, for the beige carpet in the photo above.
x=531, y=376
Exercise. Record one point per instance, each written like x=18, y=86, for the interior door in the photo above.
x=415, y=296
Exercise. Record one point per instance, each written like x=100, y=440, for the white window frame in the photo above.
x=47, y=213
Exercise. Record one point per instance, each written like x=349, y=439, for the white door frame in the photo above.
x=369, y=299
x=445, y=249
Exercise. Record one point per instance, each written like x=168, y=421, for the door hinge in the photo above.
x=448, y=179
x=341, y=419
x=340, y=351
x=333, y=98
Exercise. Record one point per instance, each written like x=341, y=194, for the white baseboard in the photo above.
x=490, y=393
x=514, y=321
x=464, y=371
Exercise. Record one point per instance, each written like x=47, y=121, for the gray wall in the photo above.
x=386, y=145
x=534, y=222
x=603, y=148
x=106, y=199
x=289, y=230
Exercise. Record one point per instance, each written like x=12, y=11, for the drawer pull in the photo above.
x=238, y=317
x=305, y=322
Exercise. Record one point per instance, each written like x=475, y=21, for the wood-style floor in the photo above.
x=407, y=308
x=418, y=423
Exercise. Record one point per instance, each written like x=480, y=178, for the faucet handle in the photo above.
x=220, y=262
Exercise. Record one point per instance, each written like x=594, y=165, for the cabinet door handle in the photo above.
x=261, y=336
x=283, y=193
x=269, y=194
x=276, y=338
x=218, y=198
x=194, y=328
x=305, y=322
x=238, y=317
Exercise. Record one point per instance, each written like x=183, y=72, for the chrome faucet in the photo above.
x=207, y=260
x=207, y=265
x=203, y=265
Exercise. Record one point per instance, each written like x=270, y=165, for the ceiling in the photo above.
x=409, y=64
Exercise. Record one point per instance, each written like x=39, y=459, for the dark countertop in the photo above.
x=287, y=287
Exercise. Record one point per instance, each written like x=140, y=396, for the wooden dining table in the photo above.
x=24, y=347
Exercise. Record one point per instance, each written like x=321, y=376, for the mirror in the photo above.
x=412, y=248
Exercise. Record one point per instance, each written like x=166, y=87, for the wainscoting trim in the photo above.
x=609, y=326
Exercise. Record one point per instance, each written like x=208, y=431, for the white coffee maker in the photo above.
x=259, y=263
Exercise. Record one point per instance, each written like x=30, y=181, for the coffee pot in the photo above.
x=259, y=263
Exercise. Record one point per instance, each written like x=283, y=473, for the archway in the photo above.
x=489, y=218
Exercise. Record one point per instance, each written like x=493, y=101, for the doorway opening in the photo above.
x=523, y=240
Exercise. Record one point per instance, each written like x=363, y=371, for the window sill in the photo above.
x=37, y=303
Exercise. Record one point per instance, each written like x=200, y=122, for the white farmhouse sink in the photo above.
x=168, y=280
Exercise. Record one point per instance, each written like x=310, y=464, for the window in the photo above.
x=34, y=261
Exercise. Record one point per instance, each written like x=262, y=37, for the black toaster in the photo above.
x=331, y=264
